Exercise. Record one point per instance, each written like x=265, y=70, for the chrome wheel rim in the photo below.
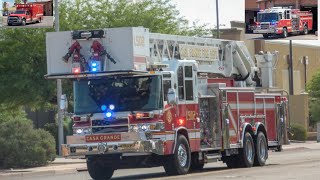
x=249, y=150
x=262, y=152
x=182, y=155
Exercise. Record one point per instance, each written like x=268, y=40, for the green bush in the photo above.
x=21, y=144
x=298, y=132
x=52, y=128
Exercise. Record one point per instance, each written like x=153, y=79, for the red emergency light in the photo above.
x=181, y=122
x=277, y=99
x=75, y=70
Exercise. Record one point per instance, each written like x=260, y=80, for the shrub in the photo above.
x=21, y=144
x=52, y=128
x=298, y=132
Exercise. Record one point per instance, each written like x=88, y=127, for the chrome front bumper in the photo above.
x=131, y=144
x=265, y=31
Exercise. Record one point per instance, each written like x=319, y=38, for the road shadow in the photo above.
x=163, y=174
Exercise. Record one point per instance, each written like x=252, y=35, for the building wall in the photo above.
x=299, y=52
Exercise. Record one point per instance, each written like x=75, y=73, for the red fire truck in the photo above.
x=283, y=21
x=26, y=13
x=165, y=100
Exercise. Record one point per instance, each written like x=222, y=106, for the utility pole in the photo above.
x=290, y=69
x=59, y=85
x=217, y=14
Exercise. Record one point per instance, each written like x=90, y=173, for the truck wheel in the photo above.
x=9, y=24
x=247, y=153
x=179, y=162
x=232, y=161
x=266, y=36
x=23, y=23
x=279, y=148
x=196, y=164
x=305, y=30
x=98, y=171
x=285, y=33
x=261, y=148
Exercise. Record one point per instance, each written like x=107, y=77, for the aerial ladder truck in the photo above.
x=145, y=99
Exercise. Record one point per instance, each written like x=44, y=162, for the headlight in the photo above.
x=147, y=127
x=82, y=131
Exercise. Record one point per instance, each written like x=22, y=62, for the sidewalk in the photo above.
x=58, y=166
x=63, y=166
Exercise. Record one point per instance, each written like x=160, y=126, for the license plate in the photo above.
x=103, y=138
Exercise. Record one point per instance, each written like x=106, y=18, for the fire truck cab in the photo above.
x=165, y=100
x=283, y=21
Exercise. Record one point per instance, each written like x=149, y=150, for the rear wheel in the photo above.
x=266, y=36
x=179, y=162
x=305, y=30
x=284, y=33
x=232, y=161
x=247, y=153
x=98, y=171
x=261, y=148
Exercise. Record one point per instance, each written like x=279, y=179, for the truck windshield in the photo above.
x=19, y=12
x=143, y=93
x=267, y=17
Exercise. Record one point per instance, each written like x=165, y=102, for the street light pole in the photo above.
x=217, y=14
x=59, y=84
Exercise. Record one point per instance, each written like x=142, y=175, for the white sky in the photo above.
x=205, y=11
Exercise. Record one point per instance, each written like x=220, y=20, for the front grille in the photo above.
x=264, y=26
x=109, y=125
x=13, y=18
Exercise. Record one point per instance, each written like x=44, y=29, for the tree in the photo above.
x=158, y=15
x=314, y=102
x=22, y=68
x=17, y=2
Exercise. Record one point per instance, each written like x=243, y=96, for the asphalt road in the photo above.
x=294, y=164
x=47, y=22
x=290, y=37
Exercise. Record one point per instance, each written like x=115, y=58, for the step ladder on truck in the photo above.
x=144, y=99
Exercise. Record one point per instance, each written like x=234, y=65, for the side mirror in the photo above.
x=172, y=97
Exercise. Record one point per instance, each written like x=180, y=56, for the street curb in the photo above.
x=42, y=173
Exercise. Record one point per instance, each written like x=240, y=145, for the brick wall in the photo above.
x=251, y=4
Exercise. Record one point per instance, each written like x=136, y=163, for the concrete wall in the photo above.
x=298, y=109
x=299, y=51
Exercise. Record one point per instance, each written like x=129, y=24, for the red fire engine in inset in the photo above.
x=283, y=21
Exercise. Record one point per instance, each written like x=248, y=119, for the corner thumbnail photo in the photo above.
x=27, y=14
x=290, y=19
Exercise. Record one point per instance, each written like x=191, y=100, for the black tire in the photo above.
x=232, y=161
x=285, y=33
x=266, y=36
x=23, y=23
x=305, y=30
x=261, y=148
x=196, y=164
x=98, y=171
x=176, y=164
x=247, y=153
x=279, y=148
x=9, y=24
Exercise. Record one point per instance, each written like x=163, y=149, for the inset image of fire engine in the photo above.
x=27, y=14
x=277, y=19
